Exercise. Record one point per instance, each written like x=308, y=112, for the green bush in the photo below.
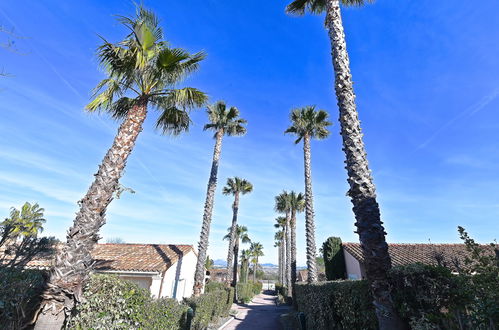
x=19, y=296
x=213, y=286
x=112, y=303
x=334, y=261
x=210, y=306
x=246, y=291
x=336, y=305
x=428, y=296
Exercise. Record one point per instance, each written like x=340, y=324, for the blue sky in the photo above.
x=427, y=82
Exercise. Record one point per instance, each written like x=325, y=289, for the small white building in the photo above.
x=166, y=270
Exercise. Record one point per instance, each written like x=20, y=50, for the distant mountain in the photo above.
x=220, y=263
x=269, y=265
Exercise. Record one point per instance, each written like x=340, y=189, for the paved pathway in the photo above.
x=260, y=314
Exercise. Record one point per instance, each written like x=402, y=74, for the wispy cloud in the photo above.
x=470, y=111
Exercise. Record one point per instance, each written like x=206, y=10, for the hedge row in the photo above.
x=336, y=305
x=246, y=291
x=426, y=297
x=112, y=303
x=20, y=292
x=210, y=306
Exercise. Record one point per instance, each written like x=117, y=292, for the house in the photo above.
x=449, y=255
x=302, y=275
x=166, y=270
x=218, y=274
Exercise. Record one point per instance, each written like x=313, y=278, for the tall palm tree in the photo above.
x=241, y=235
x=245, y=259
x=279, y=243
x=362, y=190
x=235, y=186
x=256, y=252
x=224, y=122
x=281, y=224
x=307, y=124
x=145, y=69
x=296, y=204
x=283, y=205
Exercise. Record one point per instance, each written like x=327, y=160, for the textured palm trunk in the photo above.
x=283, y=261
x=279, y=269
x=293, y=252
x=362, y=190
x=254, y=269
x=234, y=268
x=309, y=214
x=233, y=228
x=289, y=286
x=208, y=210
x=74, y=262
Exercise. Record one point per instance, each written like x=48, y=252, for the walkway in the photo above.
x=260, y=314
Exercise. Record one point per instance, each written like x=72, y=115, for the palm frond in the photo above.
x=173, y=121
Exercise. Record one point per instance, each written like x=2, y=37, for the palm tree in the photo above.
x=362, y=190
x=224, y=122
x=245, y=258
x=279, y=243
x=241, y=234
x=256, y=252
x=147, y=70
x=28, y=221
x=297, y=204
x=283, y=205
x=306, y=124
x=235, y=186
x=281, y=224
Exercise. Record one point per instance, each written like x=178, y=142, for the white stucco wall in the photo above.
x=142, y=281
x=354, y=271
x=184, y=271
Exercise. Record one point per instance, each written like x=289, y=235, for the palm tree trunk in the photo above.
x=362, y=190
x=293, y=252
x=254, y=270
x=234, y=269
x=289, y=286
x=74, y=262
x=279, y=268
x=233, y=228
x=309, y=213
x=208, y=210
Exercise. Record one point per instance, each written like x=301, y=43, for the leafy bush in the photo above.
x=246, y=291
x=213, y=286
x=336, y=305
x=210, y=306
x=334, y=261
x=113, y=303
x=428, y=296
x=19, y=296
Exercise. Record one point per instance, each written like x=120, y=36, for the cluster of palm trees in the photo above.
x=143, y=73
x=306, y=123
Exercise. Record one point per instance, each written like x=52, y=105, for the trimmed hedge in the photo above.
x=213, y=286
x=336, y=305
x=19, y=296
x=210, y=306
x=426, y=297
x=246, y=291
x=112, y=303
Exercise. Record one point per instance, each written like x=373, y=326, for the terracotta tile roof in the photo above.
x=127, y=257
x=138, y=257
x=406, y=253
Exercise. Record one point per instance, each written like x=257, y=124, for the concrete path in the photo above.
x=260, y=314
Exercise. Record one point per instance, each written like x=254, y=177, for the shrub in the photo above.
x=213, y=286
x=210, y=306
x=428, y=296
x=19, y=296
x=113, y=303
x=246, y=291
x=336, y=305
x=334, y=261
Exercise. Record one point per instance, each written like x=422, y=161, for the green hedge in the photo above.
x=214, y=286
x=336, y=305
x=19, y=296
x=246, y=291
x=112, y=303
x=210, y=306
x=426, y=297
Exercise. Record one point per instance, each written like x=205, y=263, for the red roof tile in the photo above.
x=406, y=253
